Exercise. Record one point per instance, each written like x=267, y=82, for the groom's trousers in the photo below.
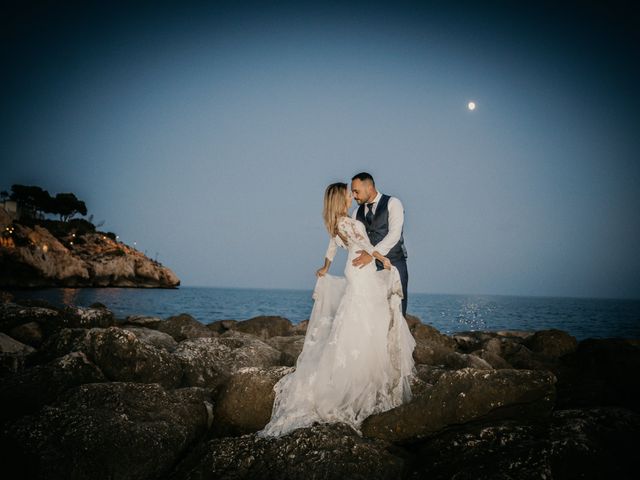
x=401, y=265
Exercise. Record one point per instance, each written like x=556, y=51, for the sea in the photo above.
x=581, y=317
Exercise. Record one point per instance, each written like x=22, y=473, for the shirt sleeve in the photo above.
x=396, y=220
x=331, y=249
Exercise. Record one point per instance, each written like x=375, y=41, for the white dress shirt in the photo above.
x=396, y=220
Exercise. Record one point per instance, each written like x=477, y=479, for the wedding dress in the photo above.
x=357, y=354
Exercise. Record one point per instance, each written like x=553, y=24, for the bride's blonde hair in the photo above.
x=335, y=206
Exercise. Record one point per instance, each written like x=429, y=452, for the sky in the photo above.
x=207, y=132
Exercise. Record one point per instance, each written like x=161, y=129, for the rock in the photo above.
x=81, y=317
x=246, y=400
x=107, y=431
x=264, y=326
x=493, y=359
x=412, y=321
x=142, y=321
x=183, y=327
x=300, y=328
x=29, y=333
x=118, y=353
x=601, y=372
x=221, y=326
x=463, y=395
x=208, y=362
x=29, y=390
x=13, y=315
x=319, y=452
x=598, y=443
x=13, y=355
x=153, y=337
x=474, y=340
x=552, y=343
x=427, y=334
x=289, y=347
x=123, y=357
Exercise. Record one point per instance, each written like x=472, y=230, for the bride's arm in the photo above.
x=328, y=258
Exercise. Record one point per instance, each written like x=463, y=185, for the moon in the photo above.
x=471, y=106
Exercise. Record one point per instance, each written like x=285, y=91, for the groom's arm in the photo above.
x=396, y=220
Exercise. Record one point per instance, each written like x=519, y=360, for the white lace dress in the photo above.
x=357, y=354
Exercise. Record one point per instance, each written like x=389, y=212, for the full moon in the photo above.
x=472, y=105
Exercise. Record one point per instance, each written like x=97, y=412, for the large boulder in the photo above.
x=29, y=390
x=13, y=315
x=598, y=443
x=246, y=401
x=321, y=452
x=153, y=337
x=29, y=333
x=123, y=357
x=208, y=362
x=290, y=347
x=184, y=327
x=552, y=343
x=118, y=353
x=107, y=431
x=464, y=395
x=265, y=326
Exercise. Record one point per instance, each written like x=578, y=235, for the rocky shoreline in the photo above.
x=34, y=258
x=88, y=395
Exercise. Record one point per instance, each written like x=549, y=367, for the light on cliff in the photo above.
x=45, y=248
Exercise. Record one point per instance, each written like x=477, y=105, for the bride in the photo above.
x=357, y=355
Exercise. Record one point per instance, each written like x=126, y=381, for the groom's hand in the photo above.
x=362, y=260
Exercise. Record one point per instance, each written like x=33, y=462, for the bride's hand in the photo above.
x=321, y=272
x=386, y=263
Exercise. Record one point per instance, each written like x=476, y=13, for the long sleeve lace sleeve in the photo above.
x=355, y=233
x=331, y=249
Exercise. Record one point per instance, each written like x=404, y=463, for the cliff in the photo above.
x=31, y=256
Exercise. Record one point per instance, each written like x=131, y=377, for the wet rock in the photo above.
x=29, y=390
x=463, y=395
x=13, y=355
x=83, y=317
x=598, y=443
x=290, y=348
x=246, y=400
x=107, y=431
x=321, y=452
x=265, y=326
x=184, y=327
x=208, y=362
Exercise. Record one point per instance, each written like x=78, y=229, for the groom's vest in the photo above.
x=380, y=227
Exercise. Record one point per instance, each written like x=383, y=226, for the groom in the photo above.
x=383, y=218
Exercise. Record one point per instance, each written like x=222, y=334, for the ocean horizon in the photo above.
x=582, y=317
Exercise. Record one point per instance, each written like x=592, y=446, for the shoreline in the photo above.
x=171, y=398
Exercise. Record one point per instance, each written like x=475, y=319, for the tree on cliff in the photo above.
x=34, y=199
x=67, y=205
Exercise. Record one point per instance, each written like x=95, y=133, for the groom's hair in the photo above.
x=362, y=176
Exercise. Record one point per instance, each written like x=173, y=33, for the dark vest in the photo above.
x=380, y=227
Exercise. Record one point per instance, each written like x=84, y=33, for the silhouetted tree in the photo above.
x=33, y=199
x=67, y=205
